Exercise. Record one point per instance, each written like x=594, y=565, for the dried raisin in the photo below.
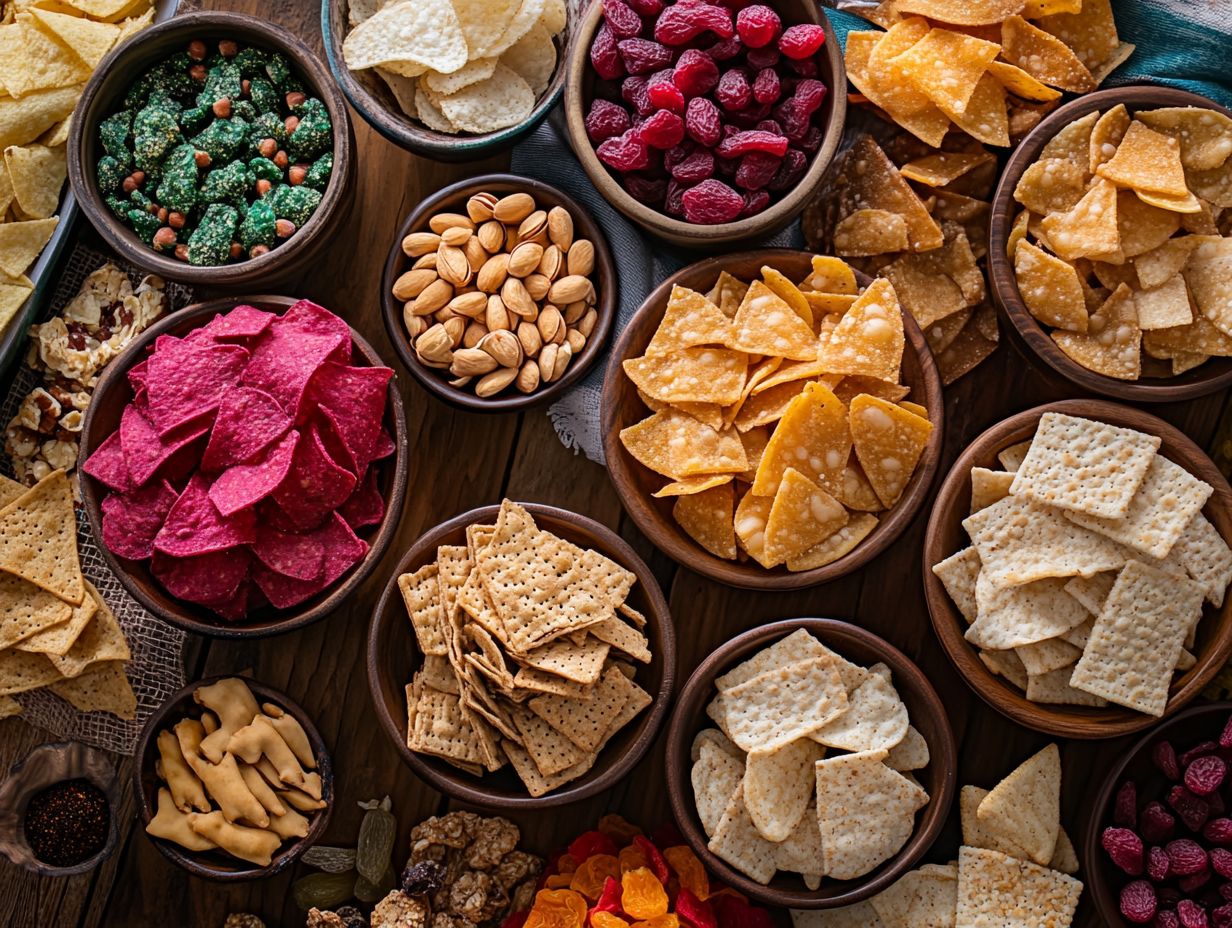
x=733, y=91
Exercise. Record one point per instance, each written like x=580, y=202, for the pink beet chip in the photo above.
x=243, y=321
x=293, y=348
x=244, y=485
x=205, y=579
x=147, y=453
x=365, y=506
x=195, y=526
x=316, y=484
x=187, y=381
x=248, y=421
x=301, y=557
x=384, y=446
x=355, y=399
x=106, y=464
x=132, y=520
x=342, y=551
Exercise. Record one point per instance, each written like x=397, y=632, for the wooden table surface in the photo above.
x=460, y=461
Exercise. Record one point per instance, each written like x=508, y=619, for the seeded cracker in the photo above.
x=798, y=646
x=778, y=787
x=1054, y=688
x=778, y=706
x=1205, y=557
x=585, y=722
x=997, y=891
x=876, y=719
x=1044, y=656
x=421, y=593
x=1137, y=638
x=715, y=775
x=859, y=915
x=1010, y=617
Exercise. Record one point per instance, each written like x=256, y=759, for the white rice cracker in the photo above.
x=1091, y=591
x=1053, y=688
x=1025, y=807
x=1044, y=656
x=998, y=891
x=801, y=852
x=975, y=834
x=798, y=646
x=1137, y=638
x=1020, y=540
x=957, y=574
x=1019, y=615
x=777, y=707
x=876, y=719
x=715, y=776
x=1084, y=465
x=1206, y=557
x=909, y=754
x=988, y=486
x=1011, y=458
x=1005, y=664
x=922, y=898
x=1159, y=513
x=778, y=786
x=737, y=841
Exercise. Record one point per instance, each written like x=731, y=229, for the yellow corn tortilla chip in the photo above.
x=695, y=484
x=1205, y=136
x=988, y=487
x=788, y=292
x=88, y=40
x=696, y=375
x=1021, y=84
x=1089, y=229
x=102, y=640
x=21, y=671
x=870, y=232
x=888, y=441
x=1147, y=161
x=752, y=514
x=1112, y=344
x=840, y=544
x=802, y=516
x=21, y=243
x=813, y=437
x=31, y=60
x=1163, y=307
x=1107, y=134
x=946, y=66
x=12, y=298
x=877, y=80
x=867, y=179
x=689, y=321
x=1073, y=142
x=857, y=493
x=37, y=174
x=707, y=517
x=765, y=324
x=1044, y=56
x=985, y=116
x=1090, y=31
x=27, y=118
x=943, y=168
x=1050, y=288
x=38, y=539
x=1143, y=227
x=1051, y=185
x=831, y=275
x=869, y=339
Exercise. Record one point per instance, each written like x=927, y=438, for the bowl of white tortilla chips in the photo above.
x=810, y=764
x=1075, y=566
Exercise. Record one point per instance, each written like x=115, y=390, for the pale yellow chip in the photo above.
x=102, y=688
x=1163, y=307
x=1044, y=56
x=1209, y=276
x=1205, y=135
x=752, y=514
x=1025, y=807
x=831, y=275
x=1113, y=343
x=497, y=102
x=423, y=32
x=867, y=179
x=690, y=320
x=1147, y=161
x=857, y=493
x=1143, y=227
x=869, y=339
x=870, y=232
x=737, y=841
x=708, y=517
x=695, y=484
x=985, y=117
x=876, y=719
x=962, y=12
x=1091, y=32
x=12, y=298
x=37, y=173
x=874, y=77
x=533, y=58
x=1021, y=84
x=946, y=66
x=88, y=40
x=27, y=118
x=1034, y=9
x=1187, y=204
x=788, y=292
x=693, y=375
x=1107, y=134
x=1073, y=142
x=988, y=487
x=728, y=293
x=1089, y=229
x=778, y=787
x=21, y=243
x=1051, y=185
x=1041, y=657
x=958, y=573
x=31, y=60
x=888, y=441
x=718, y=768
x=995, y=889
x=766, y=325
x=943, y=168
x=1199, y=336
x=813, y=437
x=1050, y=288
x=802, y=516
x=1014, y=616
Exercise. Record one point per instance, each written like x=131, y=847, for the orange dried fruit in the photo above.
x=589, y=878
x=642, y=895
x=558, y=881
x=689, y=870
x=565, y=863
x=557, y=908
x=660, y=921
x=631, y=859
x=600, y=919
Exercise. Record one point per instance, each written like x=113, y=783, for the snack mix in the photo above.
x=1089, y=563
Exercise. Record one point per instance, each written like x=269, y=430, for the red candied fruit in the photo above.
x=1125, y=808
x=702, y=122
x=662, y=130
x=635, y=91
x=801, y=41
x=695, y=167
x=1201, y=749
x=606, y=120
x=758, y=25
x=696, y=73
x=1218, y=831
x=625, y=152
x=1191, y=915
x=760, y=58
x=756, y=170
x=744, y=142
x=679, y=24
x=1125, y=849
x=621, y=19
x=733, y=91
x=694, y=911
x=1185, y=857
x=1205, y=775
x=604, y=55
x=1225, y=737
x=766, y=86
x=754, y=202
x=1138, y=902
x=804, y=67
x=1221, y=862
x=809, y=95
x=642, y=56
x=1194, y=882
x=1163, y=755
x=1156, y=823
x=1220, y=917
x=665, y=95
x=1193, y=811
x=711, y=202
x=1157, y=864
x=1166, y=919
x=646, y=7
x=725, y=49
x=647, y=190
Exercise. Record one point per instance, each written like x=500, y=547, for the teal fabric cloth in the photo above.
x=1180, y=43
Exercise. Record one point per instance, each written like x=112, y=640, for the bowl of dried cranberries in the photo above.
x=1158, y=845
x=706, y=124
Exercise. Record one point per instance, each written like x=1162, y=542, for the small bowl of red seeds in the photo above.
x=1158, y=848
x=706, y=123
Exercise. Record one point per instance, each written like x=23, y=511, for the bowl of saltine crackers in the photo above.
x=1075, y=568
x=537, y=664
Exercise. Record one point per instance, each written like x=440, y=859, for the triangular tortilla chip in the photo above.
x=102, y=688
x=766, y=325
x=1147, y=161
x=1044, y=56
x=88, y=40
x=1050, y=288
x=36, y=61
x=837, y=545
x=888, y=441
x=102, y=640
x=778, y=787
x=1089, y=229
x=813, y=437
x=830, y=275
x=803, y=515
x=1025, y=807
x=707, y=517
x=869, y=339
x=37, y=174
x=1121, y=356
x=38, y=539
x=58, y=639
x=690, y=320
x=752, y=514
x=21, y=242
x=872, y=75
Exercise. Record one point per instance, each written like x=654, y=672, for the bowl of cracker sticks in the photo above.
x=1075, y=568
x=538, y=662
x=810, y=763
x=771, y=420
x=1109, y=246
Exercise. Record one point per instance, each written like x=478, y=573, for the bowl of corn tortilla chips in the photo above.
x=1059, y=612
x=1110, y=245
x=714, y=419
x=877, y=697
x=311, y=547
x=483, y=717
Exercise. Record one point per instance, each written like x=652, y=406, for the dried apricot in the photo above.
x=616, y=828
x=631, y=858
x=558, y=881
x=643, y=897
x=557, y=908
x=600, y=919
x=690, y=871
x=590, y=878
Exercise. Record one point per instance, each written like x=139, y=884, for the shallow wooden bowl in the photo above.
x=944, y=536
x=636, y=483
x=374, y=101
x=114, y=393
x=579, y=92
x=927, y=715
x=1028, y=334
x=1185, y=729
x=216, y=865
x=393, y=658
x=101, y=98
x=452, y=199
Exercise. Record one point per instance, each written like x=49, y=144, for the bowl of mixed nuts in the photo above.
x=499, y=293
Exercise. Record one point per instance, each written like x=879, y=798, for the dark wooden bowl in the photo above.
x=217, y=865
x=578, y=94
x=373, y=100
x=1185, y=729
x=393, y=657
x=635, y=483
x=452, y=199
x=101, y=98
x=1030, y=336
x=927, y=715
x=114, y=393
x=944, y=536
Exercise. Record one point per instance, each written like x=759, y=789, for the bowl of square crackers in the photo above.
x=810, y=764
x=1110, y=249
x=772, y=420
x=1075, y=567
x=538, y=661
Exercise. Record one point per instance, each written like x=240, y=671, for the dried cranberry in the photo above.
x=801, y=41
x=1157, y=864
x=1169, y=895
x=794, y=121
x=1218, y=831
x=604, y=56
x=744, y=142
x=791, y=169
x=759, y=58
x=1163, y=755
x=674, y=200
x=1191, y=914
x=712, y=202
x=606, y=120
x=1166, y=919
x=1124, y=848
x=1225, y=737
x=626, y=152
x=635, y=92
x=1221, y=862
x=621, y=19
x=756, y=170
x=679, y=24
x=1205, y=775
x=697, y=166
x=1201, y=749
x=812, y=140
x=696, y=73
x=1193, y=811
x=702, y=122
x=758, y=25
x=642, y=56
x=1215, y=801
x=1125, y=807
x=665, y=95
x=648, y=190
x=1138, y=902
x=809, y=95
x=769, y=125
x=725, y=49
x=646, y=7
x=1220, y=917
x=754, y=202
x=733, y=91
x=766, y=86
x=1185, y=857
x=1195, y=881
x=804, y=67
x=662, y=130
